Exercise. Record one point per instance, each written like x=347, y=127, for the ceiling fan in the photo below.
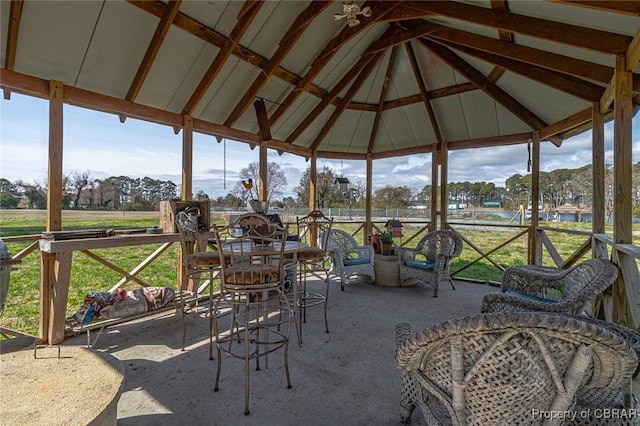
x=350, y=10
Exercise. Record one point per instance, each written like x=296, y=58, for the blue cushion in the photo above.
x=427, y=265
x=356, y=261
x=528, y=296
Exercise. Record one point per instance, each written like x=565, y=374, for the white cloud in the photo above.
x=99, y=143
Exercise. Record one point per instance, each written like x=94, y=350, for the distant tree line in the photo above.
x=81, y=191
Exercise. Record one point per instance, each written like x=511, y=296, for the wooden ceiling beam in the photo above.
x=15, y=16
x=345, y=101
x=567, y=84
x=287, y=42
x=208, y=35
x=423, y=92
x=623, y=7
x=582, y=37
x=541, y=58
x=383, y=95
x=567, y=124
x=330, y=98
x=476, y=77
x=162, y=29
x=507, y=36
x=249, y=11
x=378, y=11
x=633, y=52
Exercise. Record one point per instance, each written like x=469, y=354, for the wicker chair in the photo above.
x=196, y=262
x=347, y=257
x=429, y=261
x=539, y=288
x=313, y=260
x=508, y=368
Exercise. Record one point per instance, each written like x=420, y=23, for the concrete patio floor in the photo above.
x=345, y=377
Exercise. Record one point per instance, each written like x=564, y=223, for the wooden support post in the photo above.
x=368, y=225
x=535, y=253
x=54, y=176
x=622, y=168
x=313, y=181
x=622, y=153
x=598, y=219
x=187, y=159
x=48, y=264
x=444, y=198
x=434, y=189
x=263, y=164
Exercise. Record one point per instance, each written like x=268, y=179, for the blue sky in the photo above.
x=98, y=143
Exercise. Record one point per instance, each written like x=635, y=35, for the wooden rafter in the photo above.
x=585, y=38
x=154, y=47
x=249, y=11
x=423, y=92
x=379, y=10
x=331, y=96
x=383, y=95
x=288, y=41
x=15, y=16
x=209, y=35
x=624, y=7
x=541, y=58
x=345, y=101
x=476, y=77
x=565, y=83
x=503, y=35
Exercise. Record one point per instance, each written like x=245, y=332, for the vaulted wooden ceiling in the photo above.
x=414, y=75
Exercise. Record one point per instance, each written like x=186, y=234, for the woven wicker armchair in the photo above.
x=347, y=257
x=510, y=368
x=429, y=261
x=539, y=288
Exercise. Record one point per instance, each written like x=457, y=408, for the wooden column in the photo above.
x=368, y=225
x=444, y=198
x=434, y=189
x=625, y=289
x=598, y=212
x=55, y=269
x=187, y=159
x=313, y=181
x=54, y=175
x=622, y=153
x=535, y=252
x=262, y=189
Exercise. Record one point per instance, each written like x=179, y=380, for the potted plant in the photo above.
x=386, y=239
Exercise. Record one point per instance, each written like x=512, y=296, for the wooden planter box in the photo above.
x=169, y=209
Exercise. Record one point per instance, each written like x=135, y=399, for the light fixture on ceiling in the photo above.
x=350, y=10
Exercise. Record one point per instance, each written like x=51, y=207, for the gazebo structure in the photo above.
x=356, y=80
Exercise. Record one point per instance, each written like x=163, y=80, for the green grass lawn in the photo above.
x=23, y=305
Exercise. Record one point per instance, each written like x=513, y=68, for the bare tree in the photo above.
x=276, y=182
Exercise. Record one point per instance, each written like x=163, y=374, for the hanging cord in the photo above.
x=224, y=164
x=529, y=161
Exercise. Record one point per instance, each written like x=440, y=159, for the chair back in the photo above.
x=503, y=368
x=187, y=224
x=312, y=227
x=337, y=240
x=441, y=242
x=253, y=249
x=588, y=279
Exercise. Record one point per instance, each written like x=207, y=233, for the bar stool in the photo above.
x=313, y=260
x=252, y=285
x=195, y=261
